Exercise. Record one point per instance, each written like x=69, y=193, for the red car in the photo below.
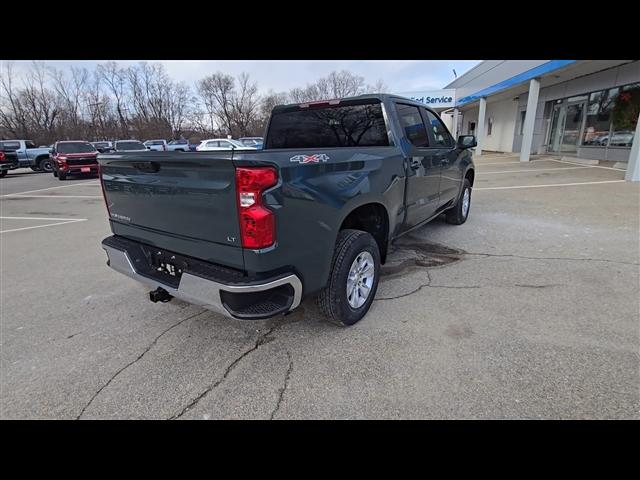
x=71, y=157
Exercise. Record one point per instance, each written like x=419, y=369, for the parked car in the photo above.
x=8, y=161
x=129, y=146
x=193, y=147
x=157, y=145
x=218, y=144
x=73, y=157
x=181, y=145
x=103, y=147
x=251, y=141
x=313, y=213
x=29, y=155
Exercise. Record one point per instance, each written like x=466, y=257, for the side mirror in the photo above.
x=467, y=141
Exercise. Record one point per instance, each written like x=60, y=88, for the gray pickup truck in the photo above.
x=29, y=155
x=250, y=234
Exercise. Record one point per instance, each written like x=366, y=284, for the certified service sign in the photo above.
x=433, y=98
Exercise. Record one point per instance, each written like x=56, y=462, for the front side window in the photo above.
x=441, y=137
x=412, y=124
x=357, y=123
x=29, y=144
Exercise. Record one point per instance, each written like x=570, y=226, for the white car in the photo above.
x=158, y=145
x=129, y=146
x=221, y=144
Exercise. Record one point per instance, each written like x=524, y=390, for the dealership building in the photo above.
x=585, y=109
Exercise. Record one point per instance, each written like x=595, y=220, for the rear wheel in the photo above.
x=458, y=214
x=353, y=280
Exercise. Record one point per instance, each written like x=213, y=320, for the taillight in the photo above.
x=257, y=223
x=2, y=156
x=104, y=195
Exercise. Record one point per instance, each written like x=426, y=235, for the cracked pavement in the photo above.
x=529, y=310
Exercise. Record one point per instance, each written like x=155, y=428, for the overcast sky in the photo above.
x=282, y=75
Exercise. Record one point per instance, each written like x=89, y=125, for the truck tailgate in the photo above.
x=184, y=202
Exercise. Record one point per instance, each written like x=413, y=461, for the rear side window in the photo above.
x=441, y=136
x=344, y=125
x=412, y=124
x=212, y=144
x=155, y=142
x=10, y=145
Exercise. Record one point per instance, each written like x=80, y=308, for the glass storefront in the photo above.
x=602, y=119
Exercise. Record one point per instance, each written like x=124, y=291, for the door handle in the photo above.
x=416, y=163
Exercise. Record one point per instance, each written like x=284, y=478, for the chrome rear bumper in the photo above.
x=202, y=291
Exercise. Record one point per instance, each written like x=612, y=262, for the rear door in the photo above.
x=186, y=204
x=423, y=172
x=446, y=155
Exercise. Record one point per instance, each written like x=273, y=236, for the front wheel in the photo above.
x=62, y=176
x=458, y=214
x=353, y=280
x=3, y=173
x=46, y=165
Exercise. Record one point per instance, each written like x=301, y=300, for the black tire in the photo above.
x=35, y=169
x=332, y=300
x=62, y=176
x=46, y=165
x=457, y=214
x=3, y=173
x=55, y=172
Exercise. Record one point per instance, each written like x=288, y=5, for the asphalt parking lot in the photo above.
x=529, y=310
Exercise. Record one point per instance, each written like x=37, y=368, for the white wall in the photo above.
x=504, y=115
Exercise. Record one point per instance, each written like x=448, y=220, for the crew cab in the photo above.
x=29, y=155
x=73, y=157
x=129, y=146
x=250, y=234
x=181, y=145
x=157, y=145
x=221, y=144
x=8, y=161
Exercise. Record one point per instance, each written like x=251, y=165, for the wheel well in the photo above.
x=470, y=175
x=41, y=158
x=371, y=218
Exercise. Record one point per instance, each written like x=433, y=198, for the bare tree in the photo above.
x=216, y=92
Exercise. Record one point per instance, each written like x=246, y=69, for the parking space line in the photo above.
x=48, y=188
x=55, y=196
x=480, y=164
x=40, y=218
x=550, y=185
x=75, y=220
x=592, y=166
x=534, y=170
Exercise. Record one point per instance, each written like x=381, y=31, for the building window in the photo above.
x=523, y=114
x=489, y=125
x=598, y=122
x=626, y=108
x=472, y=128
